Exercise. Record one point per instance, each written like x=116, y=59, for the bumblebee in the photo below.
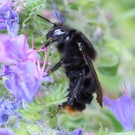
x=77, y=56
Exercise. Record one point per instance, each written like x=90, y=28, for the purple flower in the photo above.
x=12, y=22
x=5, y=5
x=13, y=50
x=89, y=134
x=2, y=24
x=6, y=131
x=77, y=132
x=9, y=19
x=8, y=107
x=22, y=68
x=98, y=34
x=23, y=81
x=123, y=109
x=57, y=14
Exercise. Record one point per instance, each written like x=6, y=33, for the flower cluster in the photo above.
x=9, y=18
x=21, y=67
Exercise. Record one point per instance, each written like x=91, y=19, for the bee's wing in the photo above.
x=88, y=60
x=89, y=49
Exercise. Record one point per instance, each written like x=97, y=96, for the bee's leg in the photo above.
x=49, y=42
x=75, y=89
x=56, y=66
x=62, y=61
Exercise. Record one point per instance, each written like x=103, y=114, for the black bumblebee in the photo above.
x=77, y=54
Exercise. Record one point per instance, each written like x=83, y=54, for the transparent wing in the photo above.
x=88, y=60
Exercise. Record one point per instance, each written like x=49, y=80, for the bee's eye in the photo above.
x=58, y=32
x=49, y=34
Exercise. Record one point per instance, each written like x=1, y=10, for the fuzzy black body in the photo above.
x=77, y=54
x=77, y=71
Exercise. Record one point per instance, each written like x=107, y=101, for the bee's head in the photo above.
x=59, y=31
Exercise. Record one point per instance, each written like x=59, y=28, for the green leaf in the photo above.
x=74, y=6
x=100, y=131
x=127, y=15
x=31, y=8
x=21, y=131
x=109, y=57
x=123, y=133
x=108, y=64
x=108, y=70
x=53, y=121
x=115, y=123
x=27, y=128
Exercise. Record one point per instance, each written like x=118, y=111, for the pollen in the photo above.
x=70, y=109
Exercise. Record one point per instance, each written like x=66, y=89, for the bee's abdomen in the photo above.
x=84, y=97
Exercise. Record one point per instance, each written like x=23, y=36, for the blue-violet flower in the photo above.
x=9, y=19
x=77, y=132
x=8, y=107
x=6, y=131
x=124, y=110
x=5, y=5
x=22, y=71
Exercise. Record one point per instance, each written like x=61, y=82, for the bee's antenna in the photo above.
x=46, y=19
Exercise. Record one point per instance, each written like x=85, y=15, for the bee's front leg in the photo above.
x=56, y=66
x=49, y=42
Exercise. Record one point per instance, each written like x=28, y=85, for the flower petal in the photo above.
x=124, y=110
x=25, y=87
x=77, y=132
x=89, y=134
x=6, y=131
x=5, y=5
x=3, y=26
x=12, y=22
x=21, y=67
x=12, y=49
